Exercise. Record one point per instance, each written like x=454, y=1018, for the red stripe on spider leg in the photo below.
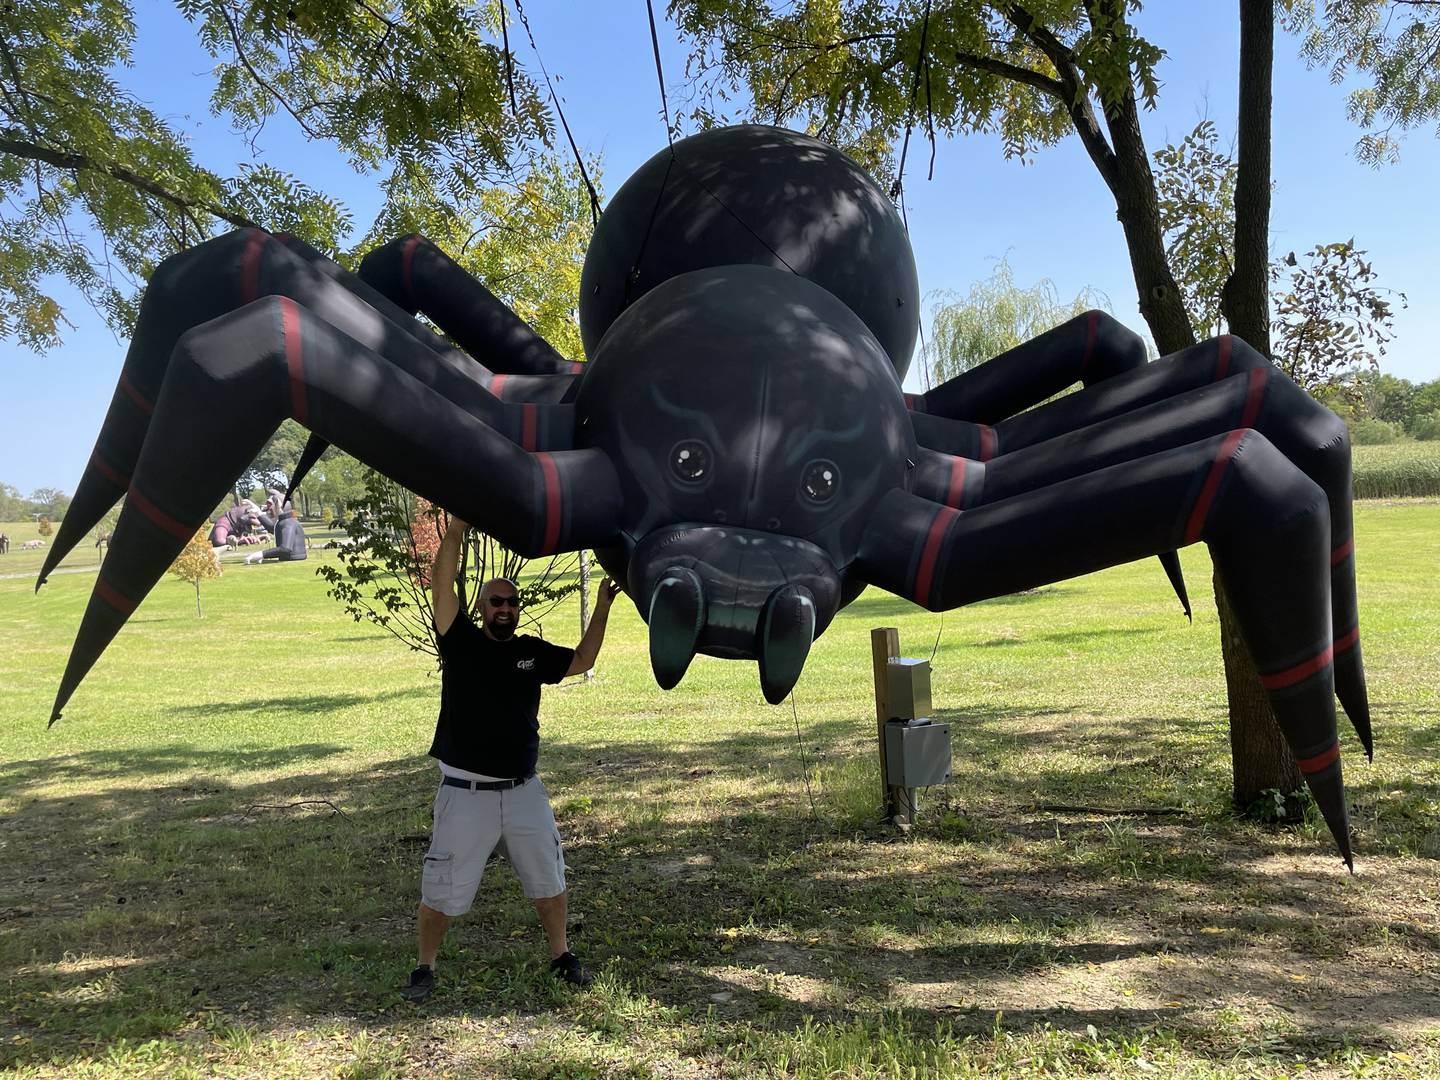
x=925, y=573
x=110, y=473
x=1212, y=482
x=144, y=404
x=1343, y=552
x=550, y=473
x=576, y=367
x=1346, y=643
x=529, y=421
x=1300, y=672
x=1092, y=331
x=1321, y=761
x=1254, y=397
x=173, y=526
x=407, y=265
x=913, y=402
x=295, y=361
x=250, y=265
x=112, y=596
x=1222, y=357
x=955, y=494
x=988, y=442
x=497, y=385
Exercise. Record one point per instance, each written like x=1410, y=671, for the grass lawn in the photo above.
x=211, y=864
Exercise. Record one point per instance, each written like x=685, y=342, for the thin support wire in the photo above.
x=555, y=100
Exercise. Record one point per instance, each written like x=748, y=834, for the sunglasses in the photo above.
x=504, y=601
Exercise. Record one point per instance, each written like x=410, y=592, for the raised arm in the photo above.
x=443, y=599
x=588, y=650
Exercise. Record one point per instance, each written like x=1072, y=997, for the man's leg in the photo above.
x=433, y=925
x=552, y=911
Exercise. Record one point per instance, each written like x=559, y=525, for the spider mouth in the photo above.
x=734, y=594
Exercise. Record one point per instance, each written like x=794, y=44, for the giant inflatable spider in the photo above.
x=737, y=450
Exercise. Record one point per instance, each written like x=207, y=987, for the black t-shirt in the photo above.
x=490, y=699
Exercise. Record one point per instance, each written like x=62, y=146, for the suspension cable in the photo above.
x=555, y=100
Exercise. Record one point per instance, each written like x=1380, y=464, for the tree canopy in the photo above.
x=1394, y=46
x=97, y=187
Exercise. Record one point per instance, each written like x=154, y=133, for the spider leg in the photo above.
x=977, y=443
x=221, y=275
x=1089, y=348
x=418, y=276
x=531, y=389
x=1267, y=524
x=228, y=387
x=1212, y=387
x=1205, y=390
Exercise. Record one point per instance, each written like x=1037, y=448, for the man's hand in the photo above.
x=606, y=593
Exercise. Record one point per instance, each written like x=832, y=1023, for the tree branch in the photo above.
x=260, y=80
x=1016, y=73
x=1074, y=94
x=81, y=163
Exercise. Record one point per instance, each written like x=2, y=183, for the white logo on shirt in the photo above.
x=525, y=665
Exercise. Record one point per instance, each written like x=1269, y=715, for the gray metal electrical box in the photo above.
x=908, y=683
x=917, y=752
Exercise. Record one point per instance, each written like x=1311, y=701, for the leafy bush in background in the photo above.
x=1370, y=432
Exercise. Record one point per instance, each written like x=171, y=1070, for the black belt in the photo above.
x=485, y=785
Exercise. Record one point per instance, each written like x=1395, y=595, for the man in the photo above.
x=487, y=740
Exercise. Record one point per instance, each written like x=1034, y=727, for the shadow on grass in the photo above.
x=289, y=902
x=312, y=703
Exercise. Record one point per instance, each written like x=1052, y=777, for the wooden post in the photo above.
x=885, y=643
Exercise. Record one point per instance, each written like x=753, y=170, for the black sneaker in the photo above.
x=567, y=966
x=422, y=981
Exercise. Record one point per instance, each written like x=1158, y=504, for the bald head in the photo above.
x=499, y=608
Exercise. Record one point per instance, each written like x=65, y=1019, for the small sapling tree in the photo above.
x=197, y=563
x=383, y=575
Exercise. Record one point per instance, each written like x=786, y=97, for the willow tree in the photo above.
x=868, y=74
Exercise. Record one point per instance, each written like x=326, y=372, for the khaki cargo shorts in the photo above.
x=469, y=825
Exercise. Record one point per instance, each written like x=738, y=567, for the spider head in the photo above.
x=755, y=423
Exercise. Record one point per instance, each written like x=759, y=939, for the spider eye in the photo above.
x=820, y=480
x=690, y=461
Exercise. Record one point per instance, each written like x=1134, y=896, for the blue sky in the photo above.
x=1052, y=218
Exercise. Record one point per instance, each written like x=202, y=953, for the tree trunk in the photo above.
x=1259, y=754
x=585, y=601
x=1245, y=299
x=1261, y=758
x=1258, y=751
x=198, y=613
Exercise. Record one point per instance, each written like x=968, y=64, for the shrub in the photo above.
x=1427, y=428
x=1399, y=470
x=1374, y=432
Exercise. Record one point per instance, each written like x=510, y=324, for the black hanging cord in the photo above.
x=509, y=62
x=804, y=764
x=660, y=75
x=634, y=274
x=898, y=186
x=555, y=100
x=897, y=189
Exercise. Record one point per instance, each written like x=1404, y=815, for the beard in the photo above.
x=501, y=630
